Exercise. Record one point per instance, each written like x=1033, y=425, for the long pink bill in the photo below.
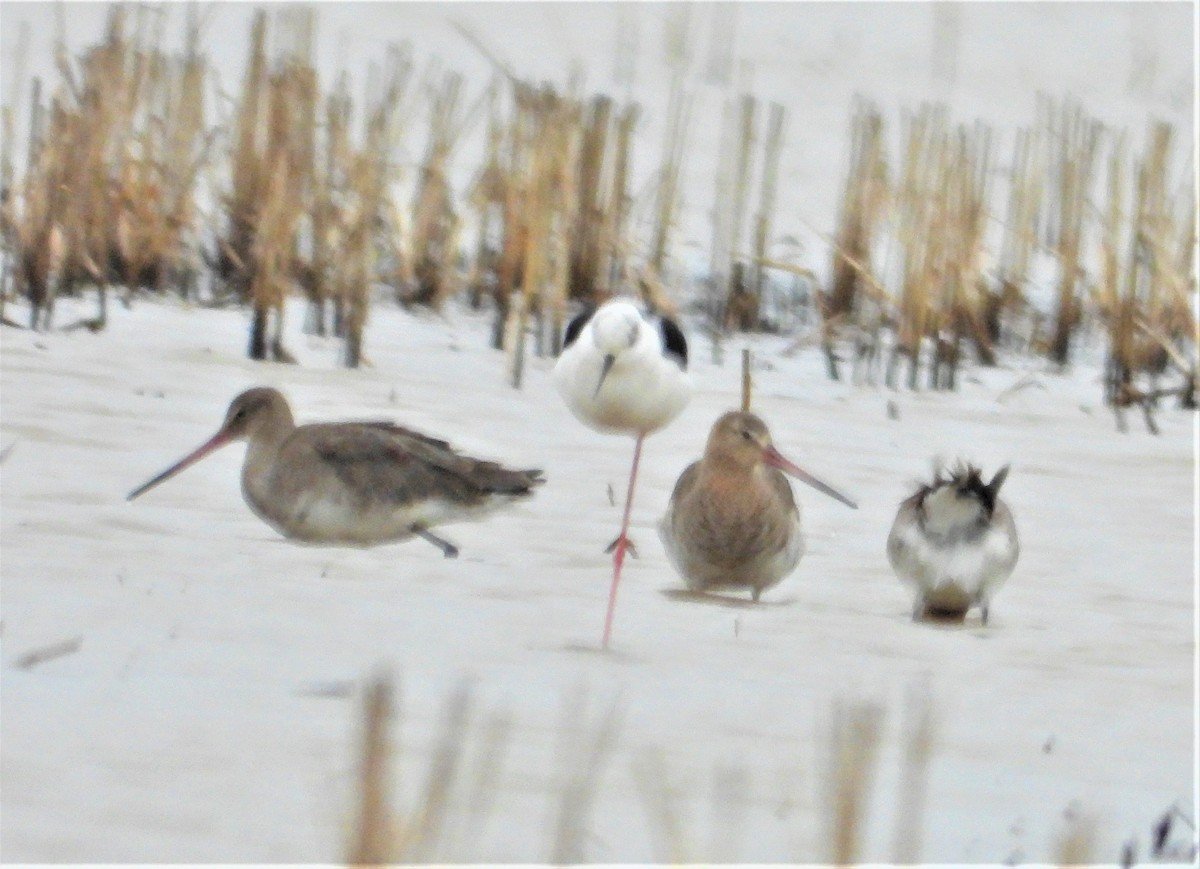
x=773, y=458
x=217, y=441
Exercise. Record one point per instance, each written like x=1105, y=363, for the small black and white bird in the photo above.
x=954, y=542
x=622, y=371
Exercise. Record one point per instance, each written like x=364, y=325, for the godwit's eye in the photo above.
x=747, y=435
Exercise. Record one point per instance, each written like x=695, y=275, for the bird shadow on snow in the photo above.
x=972, y=625
x=611, y=654
x=709, y=599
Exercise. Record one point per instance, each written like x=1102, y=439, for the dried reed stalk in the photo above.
x=1019, y=241
x=1145, y=300
x=772, y=150
x=864, y=197
x=1078, y=138
x=854, y=745
x=373, y=833
x=659, y=799
x=618, y=201
x=108, y=192
x=584, y=753
x=865, y=200
x=941, y=206
x=443, y=822
x=747, y=380
x=421, y=835
x=565, y=235
x=486, y=195
x=740, y=309
x=964, y=299
x=588, y=275
x=545, y=111
x=272, y=170
x=914, y=773
x=748, y=277
x=553, y=191
x=741, y=177
x=924, y=138
x=1077, y=843
x=667, y=200
x=435, y=221
x=721, y=248
x=366, y=172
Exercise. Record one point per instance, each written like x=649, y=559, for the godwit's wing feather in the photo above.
x=675, y=547
x=783, y=489
x=393, y=428
x=685, y=483
x=403, y=466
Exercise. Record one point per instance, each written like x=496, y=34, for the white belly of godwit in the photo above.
x=336, y=519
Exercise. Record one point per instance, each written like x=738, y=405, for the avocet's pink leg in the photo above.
x=622, y=543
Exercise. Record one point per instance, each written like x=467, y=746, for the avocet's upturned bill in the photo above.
x=955, y=543
x=733, y=521
x=353, y=483
x=623, y=372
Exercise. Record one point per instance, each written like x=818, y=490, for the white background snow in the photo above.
x=202, y=719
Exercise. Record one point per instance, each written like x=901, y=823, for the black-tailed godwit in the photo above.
x=353, y=483
x=733, y=521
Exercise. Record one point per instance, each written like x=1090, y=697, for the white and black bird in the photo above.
x=954, y=541
x=623, y=372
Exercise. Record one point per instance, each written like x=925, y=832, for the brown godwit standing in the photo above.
x=732, y=521
x=955, y=542
x=624, y=372
x=352, y=483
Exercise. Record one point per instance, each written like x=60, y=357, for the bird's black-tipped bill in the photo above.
x=609, y=360
x=773, y=458
x=214, y=443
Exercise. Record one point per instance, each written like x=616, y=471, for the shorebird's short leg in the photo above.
x=629, y=547
x=754, y=593
x=983, y=612
x=918, y=609
x=448, y=549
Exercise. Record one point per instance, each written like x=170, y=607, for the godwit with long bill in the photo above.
x=353, y=483
x=733, y=521
x=623, y=372
x=954, y=541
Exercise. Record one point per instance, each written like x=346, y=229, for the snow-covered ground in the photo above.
x=210, y=712
x=193, y=724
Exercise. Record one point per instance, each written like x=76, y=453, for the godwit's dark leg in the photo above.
x=983, y=612
x=622, y=543
x=918, y=609
x=754, y=593
x=448, y=549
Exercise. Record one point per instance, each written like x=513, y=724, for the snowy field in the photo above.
x=210, y=712
x=200, y=718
